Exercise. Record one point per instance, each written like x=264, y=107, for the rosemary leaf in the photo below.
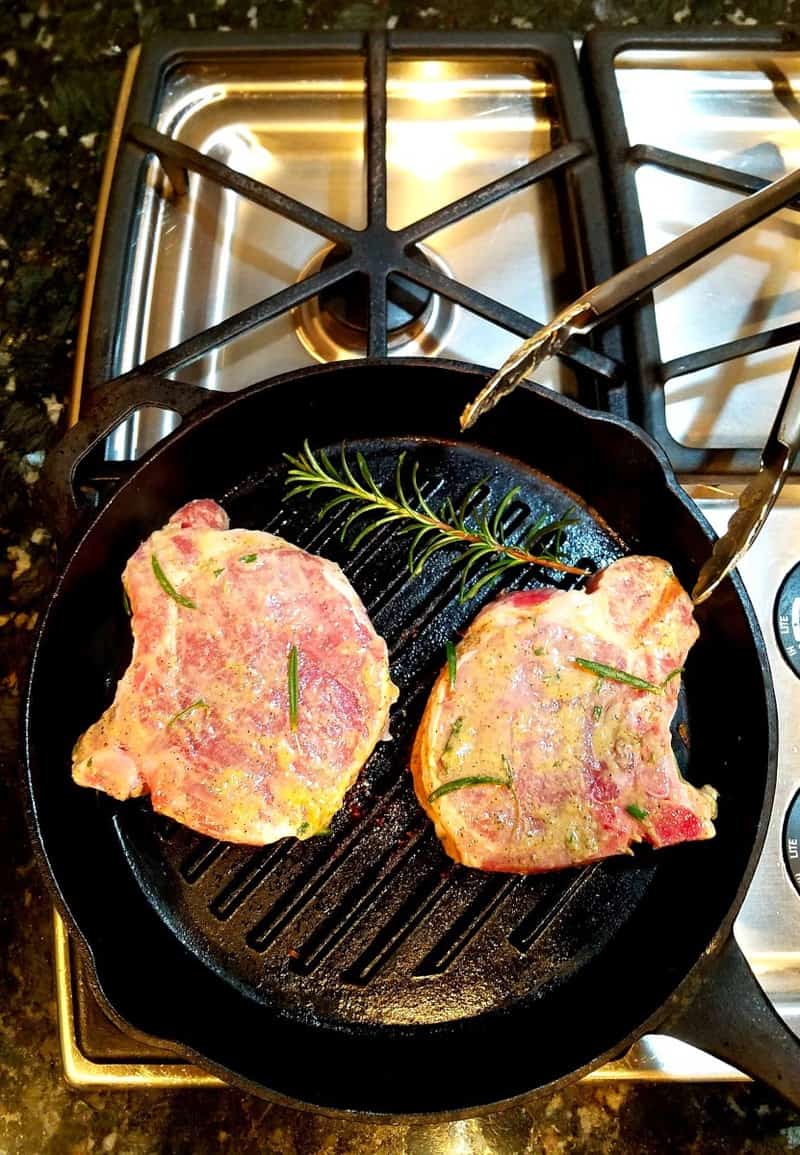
x=469, y=502
x=427, y=553
x=419, y=537
x=334, y=501
x=248, y=557
x=426, y=509
x=352, y=517
x=470, y=780
x=487, y=578
x=198, y=705
x=398, y=478
x=672, y=674
x=497, y=520
x=346, y=470
x=615, y=675
x=167, y=585
x=536, y=531
x=471, y=558
x=365, y=473
x=452, y=737
x=366, y=530
x=126, y=601
x=452, y=664
x=291, y=676
x=455, y=730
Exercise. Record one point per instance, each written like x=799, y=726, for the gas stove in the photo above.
x=272, y=202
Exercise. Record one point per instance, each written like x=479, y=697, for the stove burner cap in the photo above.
x=333, y=325
x=347, y=302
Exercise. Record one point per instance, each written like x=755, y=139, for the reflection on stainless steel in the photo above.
x=768, y=926
x=733, y=111
x=452, y=127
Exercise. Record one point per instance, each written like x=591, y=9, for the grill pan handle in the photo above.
x=110, y=404
x=730, y=1017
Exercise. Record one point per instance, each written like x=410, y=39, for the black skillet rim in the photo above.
x=718, y=938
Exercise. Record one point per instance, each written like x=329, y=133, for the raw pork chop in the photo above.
x=582, y=764
x=202, y=719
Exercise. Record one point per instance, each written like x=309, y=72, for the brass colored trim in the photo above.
x=81, y=1072
x=114, y=139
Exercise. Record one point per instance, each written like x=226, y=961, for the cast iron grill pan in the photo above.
x=364, y=970
x=388, y=929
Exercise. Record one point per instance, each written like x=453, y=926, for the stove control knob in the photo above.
x=791, y=841
x=787, y=618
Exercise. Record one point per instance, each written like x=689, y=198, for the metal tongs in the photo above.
x=605, y=300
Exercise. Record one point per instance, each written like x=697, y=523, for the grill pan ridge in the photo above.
x=361, y=909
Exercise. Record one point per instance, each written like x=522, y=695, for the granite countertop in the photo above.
x=60, y=67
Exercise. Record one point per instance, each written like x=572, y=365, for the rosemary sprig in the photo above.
x=167, y=585
x=477, y=531
x=291, y=677
x=615, y=675
x=637, y=812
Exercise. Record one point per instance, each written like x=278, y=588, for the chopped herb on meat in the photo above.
x=198, y=705
x=167, y=585
x=452, y=664
x=291, y=675
x=470, y=780
x=637, y=812
x=615, y=675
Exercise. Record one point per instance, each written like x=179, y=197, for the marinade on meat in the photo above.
x=551, y=746
x=257, y=688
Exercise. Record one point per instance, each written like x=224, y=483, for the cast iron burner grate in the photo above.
x=378, y=280
x=621, y=161
x=372, y=257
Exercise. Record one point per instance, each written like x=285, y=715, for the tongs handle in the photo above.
x=606, y=299
x=629, y=284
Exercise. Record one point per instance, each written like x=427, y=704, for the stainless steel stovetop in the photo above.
x=458, y=119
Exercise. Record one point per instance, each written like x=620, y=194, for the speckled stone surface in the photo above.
x=60, y=65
